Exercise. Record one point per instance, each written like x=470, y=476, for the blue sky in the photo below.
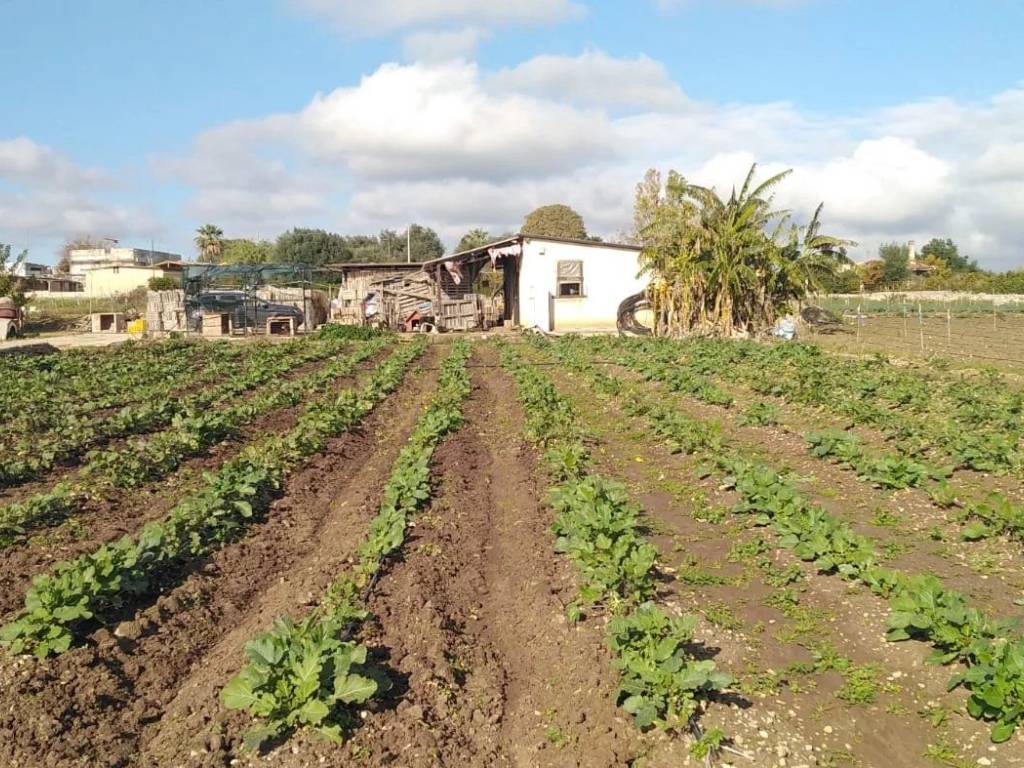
x=142, y=120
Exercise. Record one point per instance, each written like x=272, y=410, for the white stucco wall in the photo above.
x=113, y=281
x=609, y=276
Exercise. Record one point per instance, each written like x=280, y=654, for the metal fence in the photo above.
x=992, y=335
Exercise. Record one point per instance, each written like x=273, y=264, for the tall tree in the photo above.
x=209, y=243
x=944, y=253
x=646, y=203
x=872, y=275
x=895, y=263
x=811, y=259
x=243, y=251
x=555, y=221
x=423, y=241
x=11, y=286
x=474, y=239
x=311, y=246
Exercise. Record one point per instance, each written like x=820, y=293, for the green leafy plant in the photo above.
x=661, y=684
x=302, y=675
x=308, y=674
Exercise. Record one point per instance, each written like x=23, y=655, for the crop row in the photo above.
x=62, y=604
x=598, y=528
x=159, y=454
x=977, y=421
x=33, y=455
x=993, y=513
x=921, y=607
x=305, y=673
x=42, y=393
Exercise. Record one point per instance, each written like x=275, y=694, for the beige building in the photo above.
x=112, y=280
x=107, y=272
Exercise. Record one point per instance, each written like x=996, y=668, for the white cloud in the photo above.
x=381, y=16
x=1002, y=161
x=418, y=121
x=594, y=77
x=25, y=161
x=886, y=185
x=454, y=147
x=45, y=195
x=444, y=45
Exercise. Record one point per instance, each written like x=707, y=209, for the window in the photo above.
x=570, y=278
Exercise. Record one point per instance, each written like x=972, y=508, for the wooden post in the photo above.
x=920, y=325
x=438, y=311
x=906, y=323
x=859, y=323
x=949, y=327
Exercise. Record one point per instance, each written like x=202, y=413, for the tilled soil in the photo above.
x=783, y=718
x=473, y=620
x=146, y=694
x=120, y=512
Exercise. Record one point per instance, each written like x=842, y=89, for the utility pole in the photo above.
x=408, y=243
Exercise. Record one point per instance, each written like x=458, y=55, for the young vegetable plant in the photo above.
x=662, y=685
x=302, y=675
x=309, y=674
x=62, y=604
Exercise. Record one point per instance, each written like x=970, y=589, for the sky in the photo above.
x=141, y=121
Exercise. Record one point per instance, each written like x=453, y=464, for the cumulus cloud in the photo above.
x=594, y=77
x=453, y=146
x=25, y=161
x=444, y=45
x=390, y=15
x=45, y=194
x=420, y=121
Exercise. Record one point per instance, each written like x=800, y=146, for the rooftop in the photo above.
x=521, y=237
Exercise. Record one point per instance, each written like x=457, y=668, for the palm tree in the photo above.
x=733, y=249
x=814, y=256
x=718, y=266
x=209, y=242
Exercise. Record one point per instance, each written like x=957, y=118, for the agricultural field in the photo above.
x=356, y=549
x=961, y=333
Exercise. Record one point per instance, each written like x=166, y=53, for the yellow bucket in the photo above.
x=137, y=327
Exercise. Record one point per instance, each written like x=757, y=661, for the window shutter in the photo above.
x=570, y=270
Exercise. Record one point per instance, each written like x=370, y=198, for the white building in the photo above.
x=30, y=269
x=84, y=259
x=106, y=272
x=552, y=284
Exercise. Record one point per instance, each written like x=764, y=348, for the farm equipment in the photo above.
x=12, y=319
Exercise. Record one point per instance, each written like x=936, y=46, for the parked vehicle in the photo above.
x=245, y=311
x=12, y=318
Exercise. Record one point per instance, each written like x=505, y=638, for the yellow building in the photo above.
x=112, y=280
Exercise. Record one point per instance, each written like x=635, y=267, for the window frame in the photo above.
x=564, y=277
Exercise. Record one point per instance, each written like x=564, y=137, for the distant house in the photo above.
x=84, y=259
x=108, y=272
x=552, y=284
x=30, y=269
x=39, y=279
x=117, y=279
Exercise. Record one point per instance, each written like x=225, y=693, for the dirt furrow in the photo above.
x=913, y=534
x=791, y=712
x=473, y=619
x=146, y=694
x=121, y=512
